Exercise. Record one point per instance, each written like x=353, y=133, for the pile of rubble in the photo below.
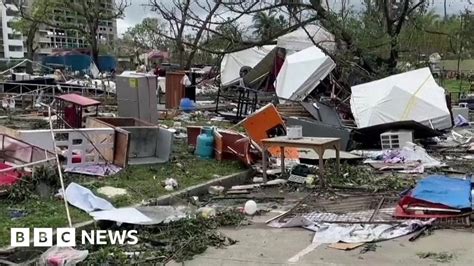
x=386, y=159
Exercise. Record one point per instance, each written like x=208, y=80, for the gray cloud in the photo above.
x=134, y=14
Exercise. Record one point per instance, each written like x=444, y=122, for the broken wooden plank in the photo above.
x=345, y=246
x=237, y=192
x=244, y=187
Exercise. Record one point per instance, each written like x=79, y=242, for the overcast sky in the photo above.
x=137, y=12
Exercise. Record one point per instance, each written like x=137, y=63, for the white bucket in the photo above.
x=294, y=132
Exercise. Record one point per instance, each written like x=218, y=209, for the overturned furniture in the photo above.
x=146, y=143
x=70, y=108
x=246, y=99
x=228, y=144
x=317, y=120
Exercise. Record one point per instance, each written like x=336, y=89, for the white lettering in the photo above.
x=115, y=236
x=89, y=237
x=101, y=237
x=132, y=234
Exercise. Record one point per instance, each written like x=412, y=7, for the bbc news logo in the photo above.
x=66, y=237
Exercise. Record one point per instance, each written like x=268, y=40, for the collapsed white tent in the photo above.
x=299, y=40
x=412, y=95
x=302, y=72
x=233, y=62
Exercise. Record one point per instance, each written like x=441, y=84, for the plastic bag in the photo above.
x=62, y=256
x=185, y=81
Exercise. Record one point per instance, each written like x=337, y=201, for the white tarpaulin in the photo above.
x=326, y=233
x=412, y=95
x=82, y=198
x=299, y=40
x=233, y=62
x=302, y=72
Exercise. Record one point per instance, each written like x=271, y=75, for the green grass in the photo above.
x=141, y=182
x=455, y=86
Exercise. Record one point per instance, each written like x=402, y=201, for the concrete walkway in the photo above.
x=262, y=245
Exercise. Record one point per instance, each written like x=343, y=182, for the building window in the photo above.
x=12, y=13
x=14, y=36
x=15, y=48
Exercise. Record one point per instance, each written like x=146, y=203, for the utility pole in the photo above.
x=445, y=11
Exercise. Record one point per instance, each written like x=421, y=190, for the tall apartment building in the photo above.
x=11, y=42
x=52, y=39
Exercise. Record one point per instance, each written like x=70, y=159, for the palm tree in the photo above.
x=267, y=24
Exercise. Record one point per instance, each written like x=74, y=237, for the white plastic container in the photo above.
x=294, y=132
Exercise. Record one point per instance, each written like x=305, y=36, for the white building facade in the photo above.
x=12, y=45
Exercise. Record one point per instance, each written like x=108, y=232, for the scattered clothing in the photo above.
x=17, y=214
x=409, y=154
x=460, y=121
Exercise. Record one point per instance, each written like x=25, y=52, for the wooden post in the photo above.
x=282, y=156
x=264, y=163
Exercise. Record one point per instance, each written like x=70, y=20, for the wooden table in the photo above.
x=319, y=145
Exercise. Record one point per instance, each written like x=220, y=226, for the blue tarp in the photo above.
x=81, y=62
x=107, y=63
x=452, y=192
x=76, y=62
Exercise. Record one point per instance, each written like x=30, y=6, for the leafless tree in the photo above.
x=185, y=26
x=188, y=25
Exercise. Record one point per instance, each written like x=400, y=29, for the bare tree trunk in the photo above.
x=394, y=54
x=95, y=52
x=30, y=50
x=93, y=41
x=180, y=50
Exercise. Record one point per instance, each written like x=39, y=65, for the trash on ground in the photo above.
x=94, y=170
x=82, y=198
x=250, y=207
x=112, y=192
x=63, y=256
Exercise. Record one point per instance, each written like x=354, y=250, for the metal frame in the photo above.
x=246, y=99
x=49, y=91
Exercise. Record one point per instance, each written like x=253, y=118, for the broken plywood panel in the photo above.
x=122, y=146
